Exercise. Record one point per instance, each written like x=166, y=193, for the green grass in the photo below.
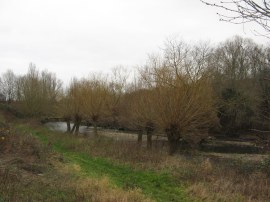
x=124, y=168
x=158, y=186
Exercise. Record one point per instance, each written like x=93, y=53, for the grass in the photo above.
x=158, y=186
x=31, y=171
x=100, y=168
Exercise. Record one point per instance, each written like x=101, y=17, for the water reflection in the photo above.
x=62, y=127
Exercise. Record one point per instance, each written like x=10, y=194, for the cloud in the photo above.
x=72, y=37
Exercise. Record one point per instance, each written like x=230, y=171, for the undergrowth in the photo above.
x=154, y=174
x=31, y=170
x=159, y=186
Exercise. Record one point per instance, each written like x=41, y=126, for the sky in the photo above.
x=75, y=37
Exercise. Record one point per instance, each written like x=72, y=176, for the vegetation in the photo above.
x=185, y=93
x=37, y=164
x=30, y=170
x=188, y=96
x=181, y=98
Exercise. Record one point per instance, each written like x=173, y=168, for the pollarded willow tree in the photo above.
x=140, y=114
x=95, y=94
x=71, y=107
x=64, y=110
x=182, y=94
x=89, y=99
x=116, y=84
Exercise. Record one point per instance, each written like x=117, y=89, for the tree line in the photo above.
x=186, y=92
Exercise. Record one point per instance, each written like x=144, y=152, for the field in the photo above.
x=38, y=164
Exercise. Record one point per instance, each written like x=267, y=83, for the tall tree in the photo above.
x=39, y=92
x=73, y=105
x=140, y=113
x=236, y=65
x=8, y=85
x=95, y=93
x=182, y=95
x=116, y=89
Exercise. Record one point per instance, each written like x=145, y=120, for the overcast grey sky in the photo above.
x=76, y=37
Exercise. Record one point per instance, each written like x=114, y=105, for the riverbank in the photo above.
x=70, y=175
x=65, y=167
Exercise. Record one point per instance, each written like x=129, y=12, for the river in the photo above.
x=118, y=135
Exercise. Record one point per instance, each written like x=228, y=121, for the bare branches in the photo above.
x=245, y=11
x=181, y=94
x=8, y=85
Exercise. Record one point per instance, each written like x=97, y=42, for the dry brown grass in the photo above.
x=208, y=178
x=127, y=152
x=231, y=188
x=99, y=190
x=222, y=181
x=30, y=171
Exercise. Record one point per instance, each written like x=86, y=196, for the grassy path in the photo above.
x=158, y=186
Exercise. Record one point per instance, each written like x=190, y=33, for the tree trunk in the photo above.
x=149, y=140
x=77, y=128
x=173, y=135
x=68, y=126
x=139, y=140
x=95, y=121
x=149, y=127
x=95, y=129
x=173, y=146
x=77, y=124
x=73, y=128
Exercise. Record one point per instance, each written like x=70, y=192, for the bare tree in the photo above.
x=39, y=92
x=116, y=89
x=245, y=11
x=8, y=85
x=94, y=93
x=30, y=91
x=64, y=109
x=182, y=95
x=73, y=105
x=184, y=109
x=140, y=113
x=236, y=65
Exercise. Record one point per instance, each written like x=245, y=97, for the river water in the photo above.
x=62, y=127
x=118, y=135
